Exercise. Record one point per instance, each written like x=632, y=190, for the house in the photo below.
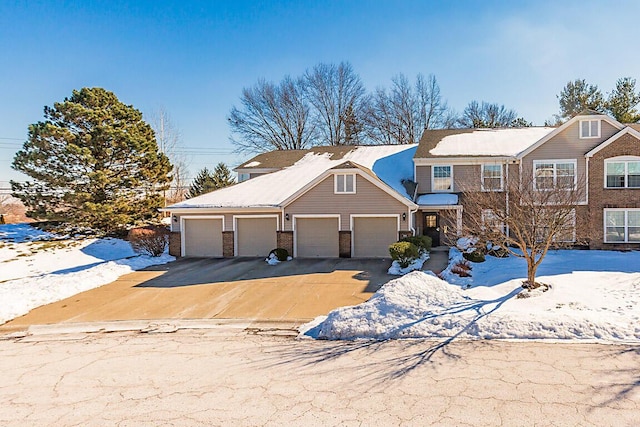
x=355, y=201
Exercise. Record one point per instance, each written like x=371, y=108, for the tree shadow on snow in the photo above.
x=380, y=360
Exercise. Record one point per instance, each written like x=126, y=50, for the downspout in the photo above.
x=507, y=197
x=415, y=196
x=586, y=183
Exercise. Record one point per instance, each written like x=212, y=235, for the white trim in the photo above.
x=319, y=216
x=433, y=190
x=235, y=227
x=555, y=173
x=620, y=159
x=352, y=217
x=625, y=131
x=564, y=127
x=213, y=210
x=183, y=234
x=501, y=177
x=345, y=175
x=626, y=224
x=581, y=136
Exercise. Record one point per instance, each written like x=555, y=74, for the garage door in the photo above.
x=372, y=236
x=317, y=237
x=256, y=236
x=202, y=237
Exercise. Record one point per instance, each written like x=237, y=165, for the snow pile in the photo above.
x=588, y=305
x=490, y=142
x=395, y=169
x=34, y=274
x=272, y=259
x=396, y=270
x=20, y=233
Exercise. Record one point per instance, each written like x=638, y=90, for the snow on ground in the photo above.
x=594, y=295
x=35, y=270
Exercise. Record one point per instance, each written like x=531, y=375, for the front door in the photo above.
x=431, y=227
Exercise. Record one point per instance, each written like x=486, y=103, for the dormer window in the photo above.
x=589, y=129
x=345, y=183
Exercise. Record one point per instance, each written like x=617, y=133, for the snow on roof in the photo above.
x=490, y=142
x=252, y=164
x=437, y=199
x=271, y=189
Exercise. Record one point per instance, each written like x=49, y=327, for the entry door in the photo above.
x=431, y=227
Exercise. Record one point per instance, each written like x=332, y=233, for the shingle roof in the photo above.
x=431, y=137
x=282, y=158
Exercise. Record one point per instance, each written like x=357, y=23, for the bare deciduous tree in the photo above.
x=531, y=215
x=169, y=139
x=272, y=117
x=487, y=115
x=338, y=97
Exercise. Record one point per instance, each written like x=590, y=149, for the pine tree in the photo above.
x=94, y=161
x=222, y=176
x=623, y=100
x=203, y=183
x=578, y=96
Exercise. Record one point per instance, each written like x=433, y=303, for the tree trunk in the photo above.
x=531, y=274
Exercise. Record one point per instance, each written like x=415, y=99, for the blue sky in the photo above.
x=193, y=58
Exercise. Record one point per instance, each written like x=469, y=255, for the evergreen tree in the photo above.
x=577, y=96
x=623, y=100
x=203, y=183
x=94, y=161
x=222, y=176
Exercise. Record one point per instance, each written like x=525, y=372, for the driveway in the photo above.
x=246, y=288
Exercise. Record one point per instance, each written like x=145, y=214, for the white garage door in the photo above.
x=317, y=237
x=372, y=236
x=256, y=236
x=202, y=237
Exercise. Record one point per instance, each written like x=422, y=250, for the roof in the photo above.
x=507, y=142
x=279, y=159
x=388, y=163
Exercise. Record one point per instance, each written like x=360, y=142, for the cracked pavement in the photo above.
x=245, y=377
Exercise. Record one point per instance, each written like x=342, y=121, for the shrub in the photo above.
x=151, y=240
x=422, y=242
x=475, y=256
x=404, y=252
x=462, y=269
x=281, y=254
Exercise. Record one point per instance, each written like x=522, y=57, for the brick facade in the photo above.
x=285, y=241
x=403, y=234
x=345, y=244
x=601, y=198
x=227, y=244
x=175, y=244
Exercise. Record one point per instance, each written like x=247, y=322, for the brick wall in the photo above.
x=403, y=234
x=227, y=244
x=285, y=241
x=601, y=198
x=345, y=244
x=175, y=246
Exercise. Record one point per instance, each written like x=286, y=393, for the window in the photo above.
x=589, y=128
x=243, y=177
x=622, y=174
x=560, y=220
x=492, y=177
x=491, y=220
x=552, y=174
x=345, y=183
x=621, y=225
x=441, y=178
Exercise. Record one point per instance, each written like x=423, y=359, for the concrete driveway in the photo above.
x=245, y=288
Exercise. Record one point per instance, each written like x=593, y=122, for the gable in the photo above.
x=625, y=144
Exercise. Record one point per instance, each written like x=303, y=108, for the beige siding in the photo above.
x=316, y=237
x=372, y=236
x=466, y=177
x=423, y=178
x=368, y=199
x=568, y=145
x=228, y=218
x=256, y=236
x=203, y=238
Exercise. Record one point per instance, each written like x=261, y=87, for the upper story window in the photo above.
x=622, y=173
x=345, y=183
x=243, y=177
x=492, y=179
x=442, y=178
x=492, y=221
x=549, y=174
x=589, y=128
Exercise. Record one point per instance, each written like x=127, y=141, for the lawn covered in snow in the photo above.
x=38, y=268
x=594, y=295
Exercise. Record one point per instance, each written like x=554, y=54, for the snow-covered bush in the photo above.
x=404, y=252
x=150, y=240
x=422, y=242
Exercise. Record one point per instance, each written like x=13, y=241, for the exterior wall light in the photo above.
x=404, y=216
x=286, y=216
x=174, y=218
